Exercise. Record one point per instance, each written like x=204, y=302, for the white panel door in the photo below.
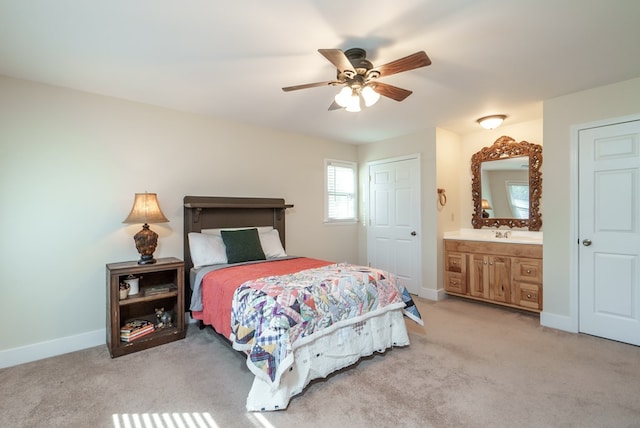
x=609, y=222
x=394, y=220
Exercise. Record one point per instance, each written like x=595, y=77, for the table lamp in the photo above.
x=485, y=206
x=146, y=210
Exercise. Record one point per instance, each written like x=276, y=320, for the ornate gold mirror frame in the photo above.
x=503, y=148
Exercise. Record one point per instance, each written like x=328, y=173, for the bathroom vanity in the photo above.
x=505, y=271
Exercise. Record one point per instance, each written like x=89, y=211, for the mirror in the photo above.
x=506, y=185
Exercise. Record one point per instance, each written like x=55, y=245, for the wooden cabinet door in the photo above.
x=500, y=279
x=479, y=276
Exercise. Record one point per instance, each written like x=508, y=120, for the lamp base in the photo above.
x=146, y=260
x=146, y=241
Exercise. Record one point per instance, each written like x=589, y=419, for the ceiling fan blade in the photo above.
x=335, y=106
x=310, y=85
x=417, y=60
x=391, y=91
x=338, y=58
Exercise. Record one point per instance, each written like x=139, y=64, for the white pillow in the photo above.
x=271, y=245
x=206, y=249
x=261, y=229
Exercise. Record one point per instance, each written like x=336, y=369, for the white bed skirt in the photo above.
x=328, y=353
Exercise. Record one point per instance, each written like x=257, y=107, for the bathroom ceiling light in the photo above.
x=491, y=122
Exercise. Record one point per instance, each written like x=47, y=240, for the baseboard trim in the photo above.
x=559, y=322
x=52, y=348
x=431, y=294
x=55, y=347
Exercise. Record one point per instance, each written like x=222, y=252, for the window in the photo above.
x=340, y=191
x=518, y=193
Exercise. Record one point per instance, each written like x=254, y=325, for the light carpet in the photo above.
x=471, y=365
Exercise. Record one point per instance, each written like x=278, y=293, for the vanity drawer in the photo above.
x=528, y=295
x=455, y=262
x=455, y=283
x=529, y=270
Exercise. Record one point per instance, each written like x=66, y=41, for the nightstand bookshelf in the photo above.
x=167, y=273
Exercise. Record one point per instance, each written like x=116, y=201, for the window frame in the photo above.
x=353, y=166
x=513, y=206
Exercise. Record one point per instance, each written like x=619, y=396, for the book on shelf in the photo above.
x=158, y=289
x=135, y=325
x=138, y=331
x=138, y=335
x=136, y=328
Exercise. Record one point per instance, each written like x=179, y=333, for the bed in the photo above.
x=296, y=318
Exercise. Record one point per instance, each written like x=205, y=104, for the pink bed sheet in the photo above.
x=218, y=287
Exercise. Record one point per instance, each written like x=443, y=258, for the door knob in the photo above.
x=413, y=233
x=586, y=242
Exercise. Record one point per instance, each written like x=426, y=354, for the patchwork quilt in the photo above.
x=272, y=316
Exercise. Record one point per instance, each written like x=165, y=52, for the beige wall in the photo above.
x=449, y=177
x=70, y=164
x=562, y=117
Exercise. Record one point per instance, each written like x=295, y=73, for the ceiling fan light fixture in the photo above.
x=369, y=95
x=354, y=103
x=342, y=97
x=356, y=72
x=491, y=122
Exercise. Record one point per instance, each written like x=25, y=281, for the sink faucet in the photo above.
x=507, y=233
x=498, y=234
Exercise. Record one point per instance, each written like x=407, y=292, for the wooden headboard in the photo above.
x=214, y=212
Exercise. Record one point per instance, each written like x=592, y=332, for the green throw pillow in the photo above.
x=242, y=245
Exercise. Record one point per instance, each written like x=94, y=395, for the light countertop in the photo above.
x=489, y=235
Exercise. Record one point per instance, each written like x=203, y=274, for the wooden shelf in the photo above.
x=165, y=272
x=142, y=297
x=233, y=202
x=232, y=205
x=158, y=337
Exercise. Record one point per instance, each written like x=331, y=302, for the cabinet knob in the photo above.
x=528, y=270
x=529, y=296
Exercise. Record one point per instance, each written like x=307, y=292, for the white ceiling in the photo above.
x=231, y=59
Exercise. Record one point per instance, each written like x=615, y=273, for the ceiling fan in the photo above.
x=360, y=77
